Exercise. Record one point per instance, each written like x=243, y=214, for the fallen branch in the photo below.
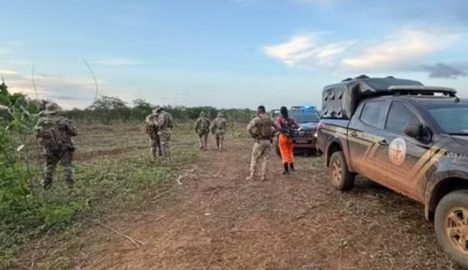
x=182, y=176
x=137, y=242
x=209, y=262
x=161, y=194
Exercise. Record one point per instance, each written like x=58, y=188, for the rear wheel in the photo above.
x=341, y=178
x=451, y=226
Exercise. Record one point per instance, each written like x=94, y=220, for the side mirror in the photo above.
x=418, y=132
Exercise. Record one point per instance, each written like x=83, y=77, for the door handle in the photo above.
x=354, y=133
x=383, y=142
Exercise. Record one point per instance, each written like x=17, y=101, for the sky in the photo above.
x=226, y=53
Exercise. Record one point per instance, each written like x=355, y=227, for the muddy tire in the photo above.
x=451, y=226
x=340, y=177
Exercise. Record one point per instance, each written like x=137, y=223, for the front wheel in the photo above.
x=451, y=226
x=341, y=178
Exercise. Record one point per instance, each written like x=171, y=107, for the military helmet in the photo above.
x=202, y=114
x=157, y=109
x=220, y=114
x=51, y=108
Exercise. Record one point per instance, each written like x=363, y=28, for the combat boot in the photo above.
x=286, y=168
x=291, y=167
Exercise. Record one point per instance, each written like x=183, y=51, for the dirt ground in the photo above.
x=215, y=219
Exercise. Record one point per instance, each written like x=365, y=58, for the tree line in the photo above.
x=107, y=110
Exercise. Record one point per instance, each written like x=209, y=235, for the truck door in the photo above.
x=364, y=136
x=406, y=158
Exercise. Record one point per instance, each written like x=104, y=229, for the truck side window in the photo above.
x=399, y=117
x=373, y=113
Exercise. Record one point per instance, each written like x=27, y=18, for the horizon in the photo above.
x=227, y=53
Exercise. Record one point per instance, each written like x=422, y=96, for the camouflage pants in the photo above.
x=261, y=151
x=155, y=147
x=65, y=157
x=203, y=140
x=165, y=137
x=219, y=140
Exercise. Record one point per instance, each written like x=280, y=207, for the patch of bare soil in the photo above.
x=217, y=220
x=89, y=156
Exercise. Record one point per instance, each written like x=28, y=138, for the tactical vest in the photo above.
x=50, y=136
x=167, y=121
x=265, y=128
x=221, y=124
x=204, y=125
x=151, y=128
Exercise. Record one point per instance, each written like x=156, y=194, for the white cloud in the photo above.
x=402, y=49
x=305, y=51
x=4, y=72
x=67, y=92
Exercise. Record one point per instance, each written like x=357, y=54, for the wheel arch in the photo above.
x=333, y=147
x=442, y=188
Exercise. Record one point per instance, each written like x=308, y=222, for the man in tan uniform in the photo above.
x=202, y=127
x=262, y=128
x=164, y=122
x=219, y=130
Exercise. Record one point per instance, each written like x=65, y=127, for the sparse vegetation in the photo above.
x=105, y=185
x=111, y=177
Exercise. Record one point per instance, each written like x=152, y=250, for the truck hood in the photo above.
x=308, y=126
x=461, y=140
x=455, y=144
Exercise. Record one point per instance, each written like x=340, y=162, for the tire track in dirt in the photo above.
x=218, y=220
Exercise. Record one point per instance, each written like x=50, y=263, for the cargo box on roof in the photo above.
x=340, y=100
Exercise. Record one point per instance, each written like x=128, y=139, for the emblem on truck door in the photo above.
x=397, y=151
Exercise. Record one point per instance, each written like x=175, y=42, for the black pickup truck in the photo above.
x=408, y=137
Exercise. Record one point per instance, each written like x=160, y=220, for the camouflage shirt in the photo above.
x=56, y=133
x=202, y=125
x=263, y=127
x=219, y=125
x=164, y=121
x=151, y=125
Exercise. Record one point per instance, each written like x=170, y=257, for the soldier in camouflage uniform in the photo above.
x=55, y=134
x=219, y=130
x=164, y=122
x=202, y=127
x=262, y=128
x=152, y=130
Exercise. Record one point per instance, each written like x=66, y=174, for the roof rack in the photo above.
x=341, y=99
x=422, y=90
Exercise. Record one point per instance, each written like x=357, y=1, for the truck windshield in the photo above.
x=303, y=117
x=452, y=119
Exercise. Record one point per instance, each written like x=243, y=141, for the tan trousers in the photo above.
x=203, y=140
x=261, y=152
